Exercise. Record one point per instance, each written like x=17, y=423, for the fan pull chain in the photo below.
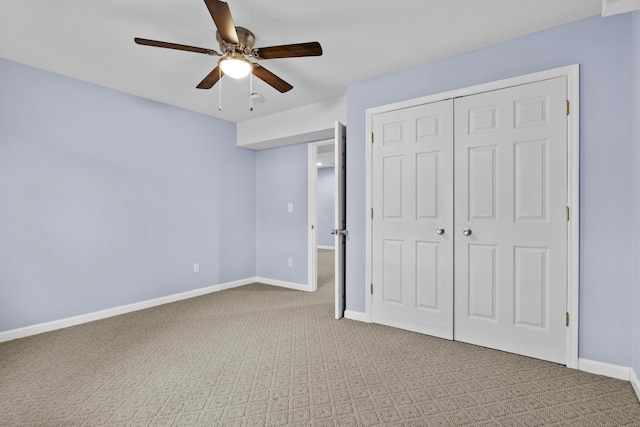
x=220, y=92
x=251, y=91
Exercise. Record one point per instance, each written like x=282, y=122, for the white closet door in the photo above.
x=511, y=180
x=412, y=200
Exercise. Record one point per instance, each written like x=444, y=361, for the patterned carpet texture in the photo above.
x=265, y=356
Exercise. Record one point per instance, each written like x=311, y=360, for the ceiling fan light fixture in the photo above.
x=235, y=65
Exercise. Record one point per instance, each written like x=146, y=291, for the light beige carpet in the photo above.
x=261, y=355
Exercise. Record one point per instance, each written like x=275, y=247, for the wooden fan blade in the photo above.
x=271, y=79
x=176, y=46
x=290, y=50
x=221, y=15
x=211, y=79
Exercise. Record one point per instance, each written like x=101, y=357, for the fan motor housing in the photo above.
x=246, y=38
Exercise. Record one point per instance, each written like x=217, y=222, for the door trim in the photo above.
x=572, y=74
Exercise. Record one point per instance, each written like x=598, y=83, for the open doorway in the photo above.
x=322, y=199
x=339, y=231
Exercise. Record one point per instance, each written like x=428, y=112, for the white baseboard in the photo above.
x=115, y=311
x=606, y=369
x=356, y=315
x=282, y=284
x=326, y=247
x=635, y=382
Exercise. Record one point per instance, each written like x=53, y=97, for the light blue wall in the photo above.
x=108, y=199
x=603, y=48
x=281, y=178
x=326, y=206
x=636, y=193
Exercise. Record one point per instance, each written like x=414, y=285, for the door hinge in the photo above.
x=372, y=138
x=371, y=289
x=371, y=213
x=567, y=107
x=567, y=211
x=566, y=319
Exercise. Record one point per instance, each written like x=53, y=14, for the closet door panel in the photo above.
x=412, y=201
x=511, y=181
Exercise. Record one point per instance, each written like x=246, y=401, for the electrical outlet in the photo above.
x=196, y=268
x=290, y=207
x=290, y=262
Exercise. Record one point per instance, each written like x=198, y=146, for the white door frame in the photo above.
x=312, y=220
x=572, y=74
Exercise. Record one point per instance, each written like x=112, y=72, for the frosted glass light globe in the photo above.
x=235, y=66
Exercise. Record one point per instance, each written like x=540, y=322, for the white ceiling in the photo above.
x=361, y=39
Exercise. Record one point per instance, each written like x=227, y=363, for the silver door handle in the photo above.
x=466, y=232
x=440, y=230
x=337, y=232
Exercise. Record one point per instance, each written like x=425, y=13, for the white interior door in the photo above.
x=412, y=199
x=511, y=181
x=340, y=232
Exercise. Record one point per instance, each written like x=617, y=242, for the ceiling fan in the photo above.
x=236, y=44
